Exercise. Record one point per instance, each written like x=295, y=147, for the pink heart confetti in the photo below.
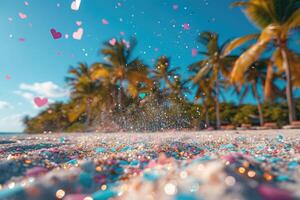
x=78, y=23
x=175, y=7
x=40, y=102
x=186, y=26
x=194, y=52
x=126, y=43
x=22, y=15
x=55, y=34
x=22, y=39
x=78, y=34
x=7, y=77
x=122, y=33
x=105, y=22
x=112, y=42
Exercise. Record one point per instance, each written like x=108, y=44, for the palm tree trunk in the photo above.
x=88, y=114
x=268, y=82
x=289, y=86
x=207, y=118
x=259, y=107
x=218, y=105
x=120, y=99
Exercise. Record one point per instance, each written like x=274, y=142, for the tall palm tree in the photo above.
x=129, y=75
x=253, y=77
x=205, y=92
x=276, y=19
x=86, y=93
x=163, y=73
x=215, y=66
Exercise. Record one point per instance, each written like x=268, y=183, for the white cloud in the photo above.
x=45, y=89
x=12, y=123
x=4, y=104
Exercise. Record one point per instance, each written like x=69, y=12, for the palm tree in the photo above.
x=86, y=93
x=163, y=73
x=129, y=75
x=205, y=92
x=253, y=77
x=276, y=19
x=215, y=66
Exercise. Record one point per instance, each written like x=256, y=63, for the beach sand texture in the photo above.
x=167, y=165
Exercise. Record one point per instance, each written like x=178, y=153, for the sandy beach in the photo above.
x=170, y=165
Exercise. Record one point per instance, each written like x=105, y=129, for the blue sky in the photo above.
x=36, y=66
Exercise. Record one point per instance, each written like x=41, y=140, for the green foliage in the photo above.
x=245, y=115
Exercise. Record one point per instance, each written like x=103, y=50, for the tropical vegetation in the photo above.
x=125, y=94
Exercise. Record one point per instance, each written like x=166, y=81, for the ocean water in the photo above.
x=10, y=133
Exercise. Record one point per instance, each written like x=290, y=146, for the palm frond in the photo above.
x=237, y=43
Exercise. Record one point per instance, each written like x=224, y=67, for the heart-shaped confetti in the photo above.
x=194, y=52
x=55, y=34
x=40, y=102
x=186, y=26
x=78, y=23
x=112, y=42
x=78, y=34
x=105, y=22
x=75, y=5
x=22, y=15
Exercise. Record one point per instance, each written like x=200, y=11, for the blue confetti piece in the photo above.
x=151, y=176
x=282, y=178
x=260, y=147
x=5, y=193
x=123, y=162
x=275, y=160
x=72, y=162
x=104, y=195
x=86, y=179
x=100, y=150
x=62, y=140
x=134, y=163
x=293, y=165
x=280, y=138
x=185, y=196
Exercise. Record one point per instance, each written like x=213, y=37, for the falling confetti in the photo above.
x=40, y=102
x=186, y=26
x=22, y=16
x=105, y=22
x=78, y=34
x=55, y=34
x=75, y=5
